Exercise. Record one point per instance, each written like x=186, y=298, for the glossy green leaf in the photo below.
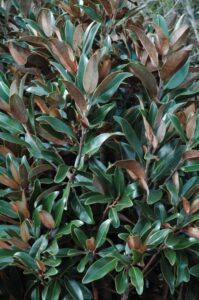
x=154, y=196
x=109, y=86
x=54, y=289
x=74, y=289
x=57, y=125
x=158, y=237
x=102, y=233
x=175, y=121
x=170, y=255
x=130, y=135
x=121, y=282
x=93, y=146
x=89, y=36
x=137, y=279
x=146, y=77
x=99, y=269
x=168, y=274
x=61, y=174
x=178, y=77
x=91, y=13
x=113, y=216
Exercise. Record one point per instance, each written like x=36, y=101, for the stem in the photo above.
x=126, y=293
x=79, y=155
x=81, y=144
x=95, y=292
x=152, y=259
x=180, y=292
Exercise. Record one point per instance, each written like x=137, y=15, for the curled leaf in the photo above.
x=64, y=54
x=162, y=40
x=24, y=232
x=40, y=265
x=152, y=140
x=174, y=62
x=191, y=126
x=7, y=181
x=77, y=95
x=91, y=74
x=179, y=36
x=46, y=21
x=18, y=109
x=132, y=166
x=147, y=44
x=19, y=53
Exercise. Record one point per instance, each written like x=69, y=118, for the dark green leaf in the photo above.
x=137, y=279
x=99, y=269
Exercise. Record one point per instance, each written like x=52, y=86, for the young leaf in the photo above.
x=47, y=219
x=147, y=44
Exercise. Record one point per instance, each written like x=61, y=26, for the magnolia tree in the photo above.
x=99, y=132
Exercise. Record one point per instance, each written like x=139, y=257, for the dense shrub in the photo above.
x=99, y=131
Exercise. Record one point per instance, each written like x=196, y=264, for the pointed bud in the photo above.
x=134, y=242
x=24, y=232
x=47, y=219
x=40, y=265
x=90, y=244
x=186, y=205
